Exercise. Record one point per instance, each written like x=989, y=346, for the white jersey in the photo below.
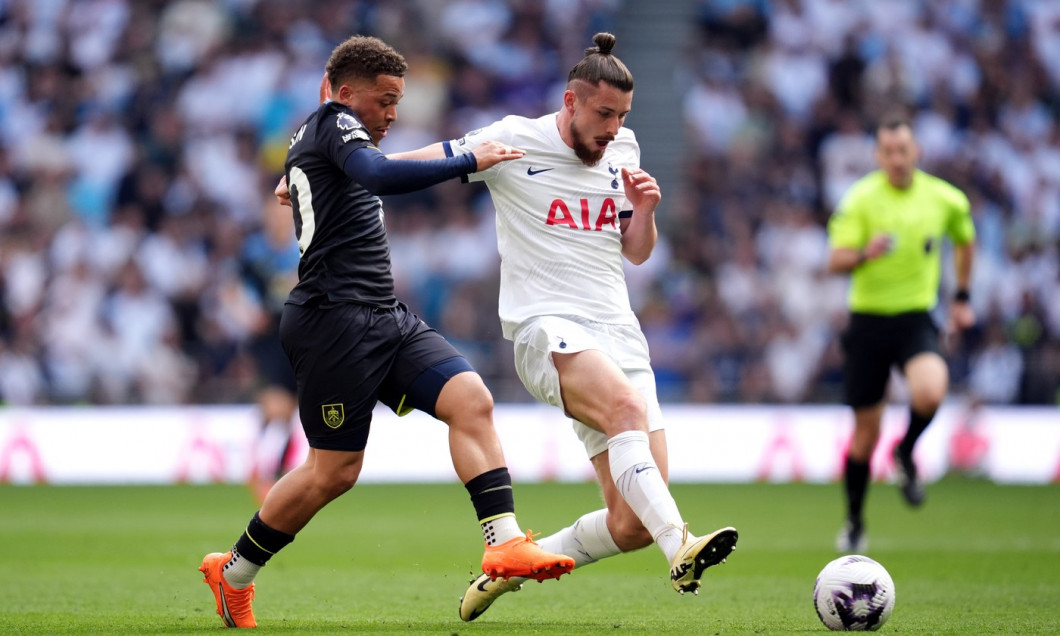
x=557, y=223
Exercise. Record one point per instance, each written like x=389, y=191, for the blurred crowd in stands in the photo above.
x=142, y=253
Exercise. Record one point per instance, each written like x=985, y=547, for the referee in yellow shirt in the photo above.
x=887, y=232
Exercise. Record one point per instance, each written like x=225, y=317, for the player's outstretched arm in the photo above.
x=381, y=175
x=487, y=154
x=639, y=235
x=433, y=151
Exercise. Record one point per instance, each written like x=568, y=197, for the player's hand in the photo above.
x=641, y=188
x=490, y=153
x=282, y=192
x=325, y=89
x=961, y=317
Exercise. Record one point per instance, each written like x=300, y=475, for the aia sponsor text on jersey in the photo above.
x=559, y=213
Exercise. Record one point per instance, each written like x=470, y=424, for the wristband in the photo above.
x=861, y=257
x=962, y=296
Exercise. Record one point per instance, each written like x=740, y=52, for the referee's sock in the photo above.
x=917, y=425
x=856, y=482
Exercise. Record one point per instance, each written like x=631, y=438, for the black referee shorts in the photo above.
x=346, y=357
x=872, y=344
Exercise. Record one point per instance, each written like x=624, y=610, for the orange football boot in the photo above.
x=233, y=605
x=522, y=556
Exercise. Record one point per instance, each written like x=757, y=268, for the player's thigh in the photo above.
x=536, y=341
x=340, y=355
x=596, y=392
x=595, y=441
x=598, y=385
x=430, y=375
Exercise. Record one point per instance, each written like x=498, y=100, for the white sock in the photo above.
x=642, y=486
x=586, y=541
x=239, y=572
x=501, y=529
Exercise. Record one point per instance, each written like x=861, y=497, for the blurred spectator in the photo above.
x=138, y=141
x=979, y=78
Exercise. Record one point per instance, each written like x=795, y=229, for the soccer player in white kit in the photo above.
x=567, y=213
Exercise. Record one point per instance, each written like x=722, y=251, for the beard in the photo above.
x=589, y=154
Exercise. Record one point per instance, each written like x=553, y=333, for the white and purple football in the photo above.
x=853, y=593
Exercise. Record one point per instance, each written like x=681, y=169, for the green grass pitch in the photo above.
x=393, y=559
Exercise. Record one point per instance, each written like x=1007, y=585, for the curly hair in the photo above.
x=600, y=65
x=364, y=57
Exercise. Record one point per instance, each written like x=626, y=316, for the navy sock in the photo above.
x=491, y=494
x=259, y=542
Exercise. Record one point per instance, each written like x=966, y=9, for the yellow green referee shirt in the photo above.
x=907, y=277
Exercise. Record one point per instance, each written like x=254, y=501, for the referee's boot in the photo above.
x=851, y=538
x=233, y=606
x=910, y=485
x=522, y=556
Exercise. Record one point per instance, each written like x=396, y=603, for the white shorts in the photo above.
x=536, y=339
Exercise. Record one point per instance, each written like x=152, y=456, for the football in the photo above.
x=853, y=593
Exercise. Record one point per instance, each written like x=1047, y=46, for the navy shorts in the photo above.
x=872, y=344
x=347, y=357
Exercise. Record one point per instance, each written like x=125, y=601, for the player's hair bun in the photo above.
x=604, y=43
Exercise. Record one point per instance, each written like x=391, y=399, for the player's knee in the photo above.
x=629, y=411
x=341, y=484
x=339, y=479
x=478, y=405
x=465, y=401
x=863, y=443
x=473, y=414
x=927, y=399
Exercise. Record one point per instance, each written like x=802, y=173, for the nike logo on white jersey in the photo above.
x=531, y=172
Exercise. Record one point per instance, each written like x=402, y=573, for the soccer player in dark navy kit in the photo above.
x=352, y=343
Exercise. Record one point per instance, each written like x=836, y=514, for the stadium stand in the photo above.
x=140, y=141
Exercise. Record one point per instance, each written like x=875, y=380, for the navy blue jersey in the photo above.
x=345, y=256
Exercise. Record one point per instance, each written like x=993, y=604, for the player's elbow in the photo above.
x=836, y=264
x=637, y=252
x=637, y=257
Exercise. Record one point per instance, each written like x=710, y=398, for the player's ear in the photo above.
x=325, y=88
x=568, y=100
x=345, y=94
